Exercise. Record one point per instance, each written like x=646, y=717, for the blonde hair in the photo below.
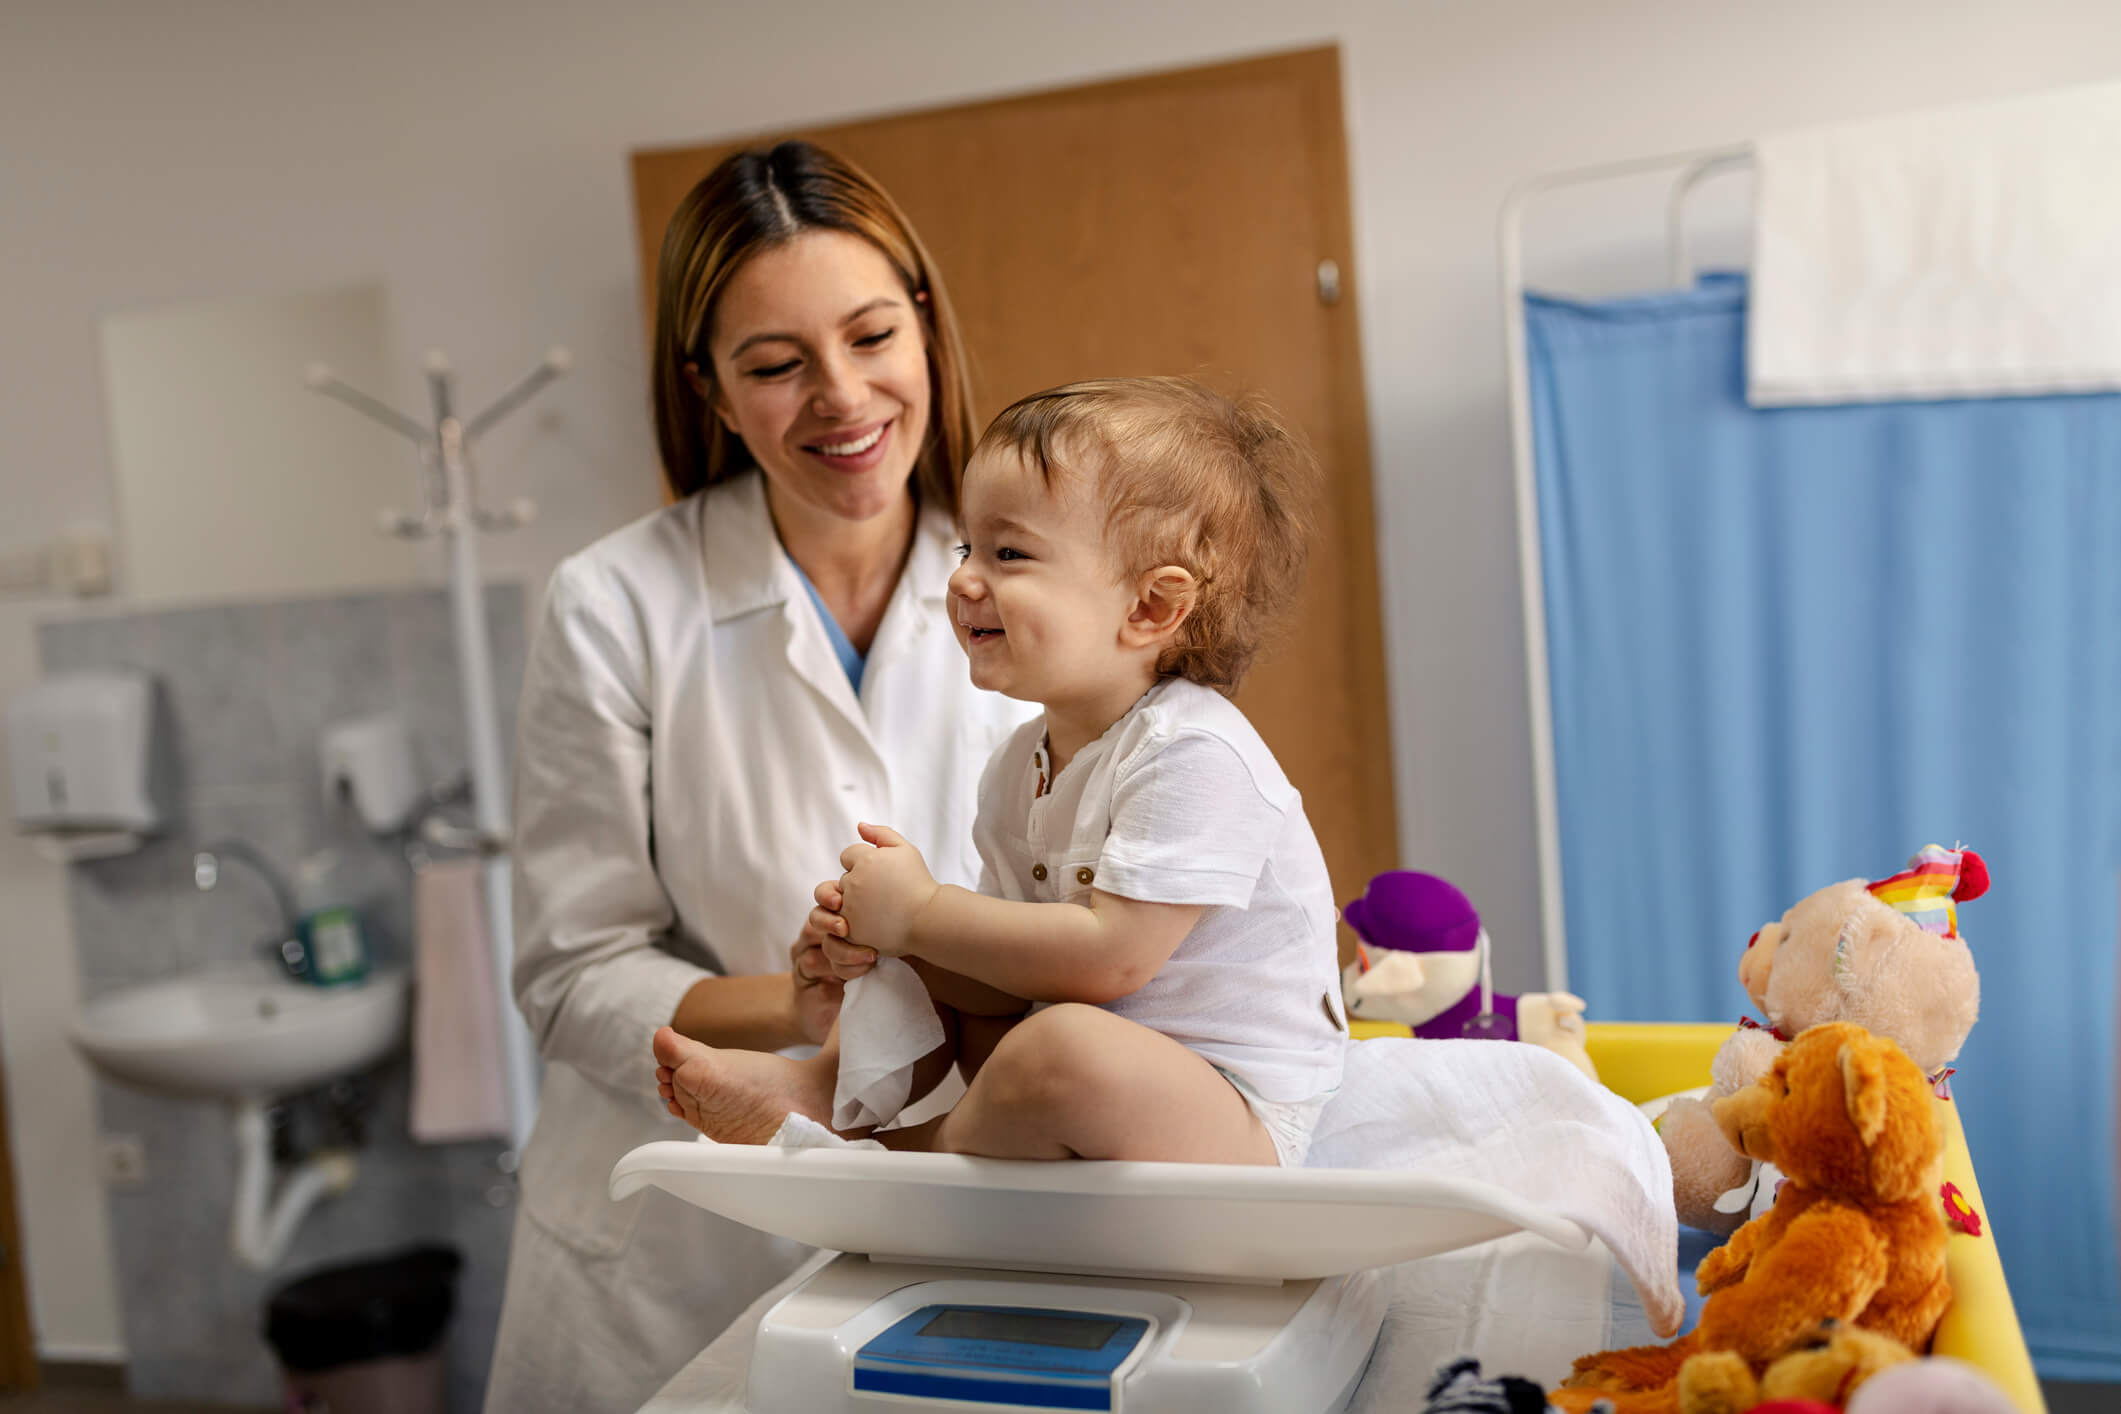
x=1219, y=487
x=754, y=201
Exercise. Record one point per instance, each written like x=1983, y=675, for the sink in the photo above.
x=241, y=1035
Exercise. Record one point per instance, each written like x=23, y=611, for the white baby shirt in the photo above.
x=1181, y=802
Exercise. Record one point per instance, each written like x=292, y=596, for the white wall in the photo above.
x=472, y=157
x=231, y=478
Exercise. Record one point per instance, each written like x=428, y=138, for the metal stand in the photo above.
x=452, y=513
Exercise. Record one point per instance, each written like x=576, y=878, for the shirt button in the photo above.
x=1038, y=872
x=1084, y=876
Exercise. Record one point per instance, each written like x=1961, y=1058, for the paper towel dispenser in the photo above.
x=87, y=760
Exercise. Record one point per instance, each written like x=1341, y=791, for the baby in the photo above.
x=1148, y=968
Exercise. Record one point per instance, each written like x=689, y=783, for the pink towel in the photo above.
x=458, y=1092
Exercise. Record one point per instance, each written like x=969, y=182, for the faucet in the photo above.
x=206, y=872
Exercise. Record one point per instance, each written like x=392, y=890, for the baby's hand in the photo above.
x=844, y=960
x=883, y=890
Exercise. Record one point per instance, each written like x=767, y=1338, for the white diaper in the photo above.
x=1289, y=1122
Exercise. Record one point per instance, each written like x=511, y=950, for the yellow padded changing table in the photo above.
x=1642, y=1060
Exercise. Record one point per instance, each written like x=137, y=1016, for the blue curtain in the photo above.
x=1794, y=646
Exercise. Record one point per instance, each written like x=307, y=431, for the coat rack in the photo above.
x=452, y=514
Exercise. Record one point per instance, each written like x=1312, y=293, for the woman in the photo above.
x=717, y=694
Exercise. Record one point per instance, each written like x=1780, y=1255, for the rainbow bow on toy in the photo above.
x=1932, y=886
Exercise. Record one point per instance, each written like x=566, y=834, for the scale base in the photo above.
x=1210, y=1348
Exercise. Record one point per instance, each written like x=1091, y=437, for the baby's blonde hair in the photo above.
x=1218, y=487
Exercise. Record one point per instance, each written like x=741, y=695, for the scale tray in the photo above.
x=1207, y=1221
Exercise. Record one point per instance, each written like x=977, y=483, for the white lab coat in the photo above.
x=690, y=762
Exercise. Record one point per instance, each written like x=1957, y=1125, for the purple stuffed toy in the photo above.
x=1423, y=962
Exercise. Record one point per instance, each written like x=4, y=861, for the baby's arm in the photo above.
x=1050, y=952
x=850, y=960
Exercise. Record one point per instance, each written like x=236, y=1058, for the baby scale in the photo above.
x=996, y=1285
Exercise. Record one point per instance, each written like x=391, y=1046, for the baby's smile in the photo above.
x=980, y=633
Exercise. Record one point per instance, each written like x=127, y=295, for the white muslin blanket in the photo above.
x=1516, y=1116
x=886, y=1024
x=1953, y=253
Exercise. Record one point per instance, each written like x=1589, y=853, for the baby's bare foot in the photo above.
x=737, y=1097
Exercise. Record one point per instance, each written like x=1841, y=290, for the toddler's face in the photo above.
x=1038, y=602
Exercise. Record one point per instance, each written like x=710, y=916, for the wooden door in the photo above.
x=1175, y=223
x=18, y=1353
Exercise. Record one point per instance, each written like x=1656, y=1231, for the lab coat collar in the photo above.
x=747, y=569
x=740, y=554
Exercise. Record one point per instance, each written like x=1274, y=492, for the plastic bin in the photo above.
x=366, y=1337
x=1643, y=1060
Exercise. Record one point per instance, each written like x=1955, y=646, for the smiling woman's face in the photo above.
x=820, y=365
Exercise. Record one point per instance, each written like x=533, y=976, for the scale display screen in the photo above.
x=1020, y=1327
x=1000, y=1356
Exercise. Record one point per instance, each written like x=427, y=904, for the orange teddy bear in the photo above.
x=1856, y=1235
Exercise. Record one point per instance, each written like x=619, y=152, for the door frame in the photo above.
x=18, y=1345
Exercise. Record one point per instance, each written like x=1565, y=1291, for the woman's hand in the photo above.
x=818, y=989
x=886, y=885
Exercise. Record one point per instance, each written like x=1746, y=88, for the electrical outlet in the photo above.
x=124, y=1160
x=80, y=560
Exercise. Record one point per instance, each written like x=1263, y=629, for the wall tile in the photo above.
x=215, y=664
x=424, y=664
x=132, y=917
x=330, y=660
x=104, y=641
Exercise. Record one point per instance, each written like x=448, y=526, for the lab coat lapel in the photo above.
x=899, y=690
x=748, y=571
x=810, y=654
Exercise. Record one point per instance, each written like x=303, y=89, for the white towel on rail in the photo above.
x=1953, y=253
x=1517, y=1116
x=458, y=1090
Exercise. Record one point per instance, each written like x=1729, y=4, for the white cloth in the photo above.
x=1513, y=1115
x=885, y=1016
x=1524, y=1119
x=1181, y=802
x=1957, y=252
x=690, y=762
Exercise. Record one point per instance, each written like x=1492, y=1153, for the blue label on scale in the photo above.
x=1007, y=1355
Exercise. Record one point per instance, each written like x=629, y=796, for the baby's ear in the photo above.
x=1163, y=597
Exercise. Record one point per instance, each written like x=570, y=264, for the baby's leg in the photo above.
x=981, y=1014
x=977, y=1037
x=1077, y=1082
